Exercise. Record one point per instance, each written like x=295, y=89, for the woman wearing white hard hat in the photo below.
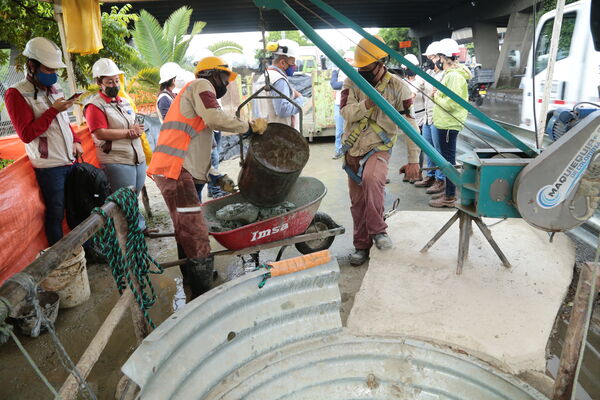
x=38, y=111
x=168, y=75
x=116, y=133
x=448, y=116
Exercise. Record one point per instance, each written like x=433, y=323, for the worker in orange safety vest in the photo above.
x=182, y=158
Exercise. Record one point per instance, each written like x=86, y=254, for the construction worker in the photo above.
x=434, y=180
x=337, y=82
x=283, y=66
x=182, y=156
x=111, y=120
x=168, y=74
x=38, y=111
x=367, y=143
x=448, y=116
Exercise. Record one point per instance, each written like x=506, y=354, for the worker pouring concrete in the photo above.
x=182, y=156
x=283, y=66
x=367, y=143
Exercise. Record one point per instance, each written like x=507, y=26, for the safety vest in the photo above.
x=387, y=142
x=174, y=139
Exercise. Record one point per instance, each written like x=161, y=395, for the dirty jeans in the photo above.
x=124, y=175
x=430, y=133
x=368, y=198
x=182, y=201
x=52, y=184
x=448, y=147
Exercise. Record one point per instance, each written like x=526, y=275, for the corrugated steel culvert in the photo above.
x=286, y=341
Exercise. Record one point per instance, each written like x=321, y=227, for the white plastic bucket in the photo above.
x=70, y=280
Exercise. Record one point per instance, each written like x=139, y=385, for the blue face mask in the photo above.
x=46, y=79
x=290, y=70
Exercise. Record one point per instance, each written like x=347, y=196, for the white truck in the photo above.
x=577, y=69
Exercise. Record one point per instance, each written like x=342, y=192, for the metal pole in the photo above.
x=560, y=5
x=369, y=90
x=70, y=71
x=463, y=103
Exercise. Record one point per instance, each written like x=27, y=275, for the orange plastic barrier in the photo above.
x=22, y=234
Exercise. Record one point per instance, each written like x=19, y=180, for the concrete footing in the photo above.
x=502, y=316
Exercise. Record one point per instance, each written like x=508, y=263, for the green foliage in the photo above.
x=296, y=36
x=549, y=5
x=5, y=163
x=225, y=47
x=393, y=36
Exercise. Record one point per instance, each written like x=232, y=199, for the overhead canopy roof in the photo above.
x=243, y=15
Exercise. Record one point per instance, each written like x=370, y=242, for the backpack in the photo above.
x=86, y=188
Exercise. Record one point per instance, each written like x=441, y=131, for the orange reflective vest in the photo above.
x=174, y=139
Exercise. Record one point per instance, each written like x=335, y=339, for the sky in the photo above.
x=340, y=39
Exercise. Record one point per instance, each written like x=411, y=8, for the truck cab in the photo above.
x=577, y=69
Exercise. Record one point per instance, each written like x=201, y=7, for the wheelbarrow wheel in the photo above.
x=321, y=222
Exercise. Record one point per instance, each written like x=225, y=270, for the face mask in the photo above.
x=112, y=91
x=369, y=76
x=290, y=70
x=220, y=84
x=439, y=64
x=46, y=79
x=428, y=64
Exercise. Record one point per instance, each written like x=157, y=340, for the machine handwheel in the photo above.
x=321, y=222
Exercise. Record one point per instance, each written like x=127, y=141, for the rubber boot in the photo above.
x=200, y=273
x=187, y=289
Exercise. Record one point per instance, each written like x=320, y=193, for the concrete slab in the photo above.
x=502, y=316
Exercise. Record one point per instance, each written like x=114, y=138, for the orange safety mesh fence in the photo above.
x=22, y=234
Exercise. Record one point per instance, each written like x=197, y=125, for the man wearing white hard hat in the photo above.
x=434, y=180
x=38, y=111
x=111, y=120
x=337, y=82
x=168, y=75
x=281, y=110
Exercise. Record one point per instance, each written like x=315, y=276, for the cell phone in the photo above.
x=76, y=95
x=139, y=119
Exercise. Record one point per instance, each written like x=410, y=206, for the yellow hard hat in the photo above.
x=212, y=62
x=367, y=53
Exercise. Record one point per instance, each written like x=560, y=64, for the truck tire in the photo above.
x=320, y=222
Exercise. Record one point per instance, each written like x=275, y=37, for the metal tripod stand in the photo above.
x=466, y=228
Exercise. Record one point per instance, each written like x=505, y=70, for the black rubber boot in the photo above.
x=200, y=275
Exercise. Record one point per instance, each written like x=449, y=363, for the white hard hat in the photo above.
x=432, y=49
x=182, y=79
x=349, y=55
x=412, y=59
x=287, y=47
x=45, y=51
x=448, y=47
x=105, y=67
x=169, y=71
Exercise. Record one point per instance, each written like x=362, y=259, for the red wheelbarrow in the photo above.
x=305, y=227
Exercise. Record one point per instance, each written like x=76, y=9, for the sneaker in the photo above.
x=382, y=241
x=438, y=187
x=443, y=202
x=337, y=156
x=359, y=257
x=426, y=182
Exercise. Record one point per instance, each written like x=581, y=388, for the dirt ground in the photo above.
x=77, y=326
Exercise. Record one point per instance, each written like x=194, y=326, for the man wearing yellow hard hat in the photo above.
x=182, y=158
x=369, y=136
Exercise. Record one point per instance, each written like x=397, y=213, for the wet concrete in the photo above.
x=77, y=326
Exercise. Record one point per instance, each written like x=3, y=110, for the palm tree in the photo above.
x=226, y=47
x=158, y=45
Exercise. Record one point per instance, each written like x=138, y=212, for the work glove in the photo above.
x=411, y=171
x=226, y=183
x=258, y=126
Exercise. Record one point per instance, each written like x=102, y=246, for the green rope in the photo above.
x=136, y=260
x=266, y=275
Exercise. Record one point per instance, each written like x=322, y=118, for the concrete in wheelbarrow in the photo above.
x=502, y=316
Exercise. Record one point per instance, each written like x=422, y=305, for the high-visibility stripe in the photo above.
x=180, y=126
x=184, y=210
x=172, y=151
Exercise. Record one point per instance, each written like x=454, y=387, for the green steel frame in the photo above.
x=370, y=91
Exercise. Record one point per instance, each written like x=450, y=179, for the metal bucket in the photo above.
x=70, y=280
x=272, y=165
